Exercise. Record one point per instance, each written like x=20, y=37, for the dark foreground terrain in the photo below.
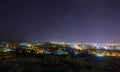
x=50, y=63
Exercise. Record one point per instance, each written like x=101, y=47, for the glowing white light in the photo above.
x=100, y=55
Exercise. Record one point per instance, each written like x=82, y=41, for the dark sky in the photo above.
x=60, y=20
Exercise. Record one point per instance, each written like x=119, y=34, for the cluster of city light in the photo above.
x=106, y=51
x=98, y=52
x=39, y=51
x=78, y=47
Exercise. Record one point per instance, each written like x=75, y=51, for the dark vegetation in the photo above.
x=54, y=63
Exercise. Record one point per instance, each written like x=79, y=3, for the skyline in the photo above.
x=60, y=20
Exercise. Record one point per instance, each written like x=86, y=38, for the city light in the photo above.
x=99, y=55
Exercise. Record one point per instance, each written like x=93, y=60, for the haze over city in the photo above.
x=60, y=20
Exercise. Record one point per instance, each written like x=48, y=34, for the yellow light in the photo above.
x=78, y=47
x=29, y=45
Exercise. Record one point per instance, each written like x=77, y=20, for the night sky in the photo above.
x=60, y=20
